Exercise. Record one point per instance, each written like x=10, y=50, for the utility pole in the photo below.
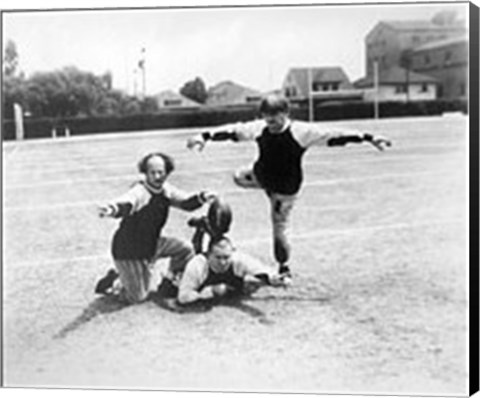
x=141, y=66
x=135, y=93
x=310, y=97
x=375, y=85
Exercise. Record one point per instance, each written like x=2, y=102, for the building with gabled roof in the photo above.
x=170, y=99
x=229, y=93
x=320, y=82
x=398, y=84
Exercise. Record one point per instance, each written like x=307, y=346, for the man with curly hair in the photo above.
x=138, y=242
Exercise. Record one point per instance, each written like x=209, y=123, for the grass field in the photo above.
x=379, y=301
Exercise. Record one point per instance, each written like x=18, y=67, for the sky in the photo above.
x=252, y=46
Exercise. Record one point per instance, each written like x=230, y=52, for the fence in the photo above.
x=203, y=117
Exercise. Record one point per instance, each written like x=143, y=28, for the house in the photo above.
x=230, y=93
x=170, y=99
x=398, y=84
x=319, y=82
x=388, y=40
x=447, y=61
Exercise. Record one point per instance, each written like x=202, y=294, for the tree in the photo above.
x=195, y=90
x=70, y=92
x=13, y=80
x=10, y=59
x=445, y=17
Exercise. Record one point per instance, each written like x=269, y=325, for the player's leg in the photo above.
x=179, y=251
x=135, y=277
x=245, y=178
x=281, y=207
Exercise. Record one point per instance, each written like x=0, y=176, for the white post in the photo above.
x=135, y=93
x=310, y=97
x=141, y=66
x=375, y=85
x=18, y=114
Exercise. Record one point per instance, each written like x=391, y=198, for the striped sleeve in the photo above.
x=130, y=202
x=310, y=134
x=244, y=131
x=183, y=200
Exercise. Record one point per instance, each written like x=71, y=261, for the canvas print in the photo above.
x=240, y=199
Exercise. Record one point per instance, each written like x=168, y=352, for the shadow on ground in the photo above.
x=101, y=305
x=236, y=302
x=109, y=304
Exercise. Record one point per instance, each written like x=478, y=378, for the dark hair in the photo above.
x=273, y=104
x=218, y=239
x=169, y=163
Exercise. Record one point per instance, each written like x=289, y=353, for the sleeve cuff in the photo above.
x=113, y=209
x=367, y=137
x=202, y=197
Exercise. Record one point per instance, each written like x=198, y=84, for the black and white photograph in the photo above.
x=239, y=198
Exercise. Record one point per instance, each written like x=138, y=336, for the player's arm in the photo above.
x=124, y=205
x=357, y=138
x=252, y=269
x=308, y=134
x=187, y=201
x=190, y=289
x=230, y=132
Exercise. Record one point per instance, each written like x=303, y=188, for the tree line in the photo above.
x=71, y=92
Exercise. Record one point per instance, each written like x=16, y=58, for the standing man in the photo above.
x=222, y=271
x=282, y=143
x=138, y=241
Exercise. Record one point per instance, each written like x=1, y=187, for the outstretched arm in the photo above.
x=187, y=201
x=124, y=204
x=199, y=141
x=308, y=134
x=377, y=141
x=229, y=132
x=250, y=267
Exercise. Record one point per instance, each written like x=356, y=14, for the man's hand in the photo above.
x=279, y=280
x=105, y=211
x=379, y=142
x=209, y=195
x=197, y=142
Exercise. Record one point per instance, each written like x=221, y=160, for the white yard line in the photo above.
x=126, y=135
x=228, y=191
x=360, y=230
x=55, y=206
x=182, y=172
x=297, y=236
x=101, y=166
x=93, y=157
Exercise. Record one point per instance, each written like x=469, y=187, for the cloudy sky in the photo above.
x=254, y=46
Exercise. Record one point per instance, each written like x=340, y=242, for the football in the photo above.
x=219, y=217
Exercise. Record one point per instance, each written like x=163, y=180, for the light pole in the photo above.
x=310, y=97
x=135, y=82
x=375, y=85
x=141, y=66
